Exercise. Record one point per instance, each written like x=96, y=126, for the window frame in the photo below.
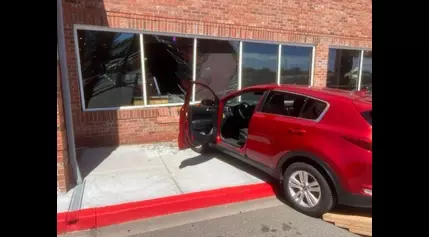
x=361, y=53
x=195, y=38
x=328, y=105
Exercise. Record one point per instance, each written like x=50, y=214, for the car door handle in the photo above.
x=296, y=131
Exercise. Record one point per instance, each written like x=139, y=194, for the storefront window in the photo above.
x=168, y=65
x=217, y=65
x=260, y=63
x=295, y=66
x=111, y=69
x=343, y=68
x=366, y=81
x=112, y=75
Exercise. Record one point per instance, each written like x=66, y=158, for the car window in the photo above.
x=283, y=103
x=313, y=109
x=367, y=115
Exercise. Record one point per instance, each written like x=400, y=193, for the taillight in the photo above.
x=365, y=144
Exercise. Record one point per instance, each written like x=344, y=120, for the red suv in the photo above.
x=316, y=141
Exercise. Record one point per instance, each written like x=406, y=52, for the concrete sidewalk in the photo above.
x=123, y=174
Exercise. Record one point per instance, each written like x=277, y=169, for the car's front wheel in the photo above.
x=307, y=190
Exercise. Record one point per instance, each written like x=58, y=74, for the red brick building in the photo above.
x=118, y=98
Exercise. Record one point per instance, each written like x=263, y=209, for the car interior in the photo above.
x=237, y=113
x=284, y=104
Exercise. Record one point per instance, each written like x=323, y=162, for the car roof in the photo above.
x=327, y=94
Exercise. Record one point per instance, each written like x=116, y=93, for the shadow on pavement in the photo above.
x=89, y=159
x=215, y=154
x=355, y=211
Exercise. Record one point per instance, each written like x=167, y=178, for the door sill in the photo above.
x=227, y=141
x=248, y=161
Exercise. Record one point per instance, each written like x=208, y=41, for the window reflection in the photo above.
x=217, y=66
x=295, y=65
x=259, y=64
x=168, y=65
x=112, y=77
x=111, y=71
x=343, y=68
x=366, y=81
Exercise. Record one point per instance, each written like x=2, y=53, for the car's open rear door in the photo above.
x=198, y=122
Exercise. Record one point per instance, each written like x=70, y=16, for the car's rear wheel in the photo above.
x=307, y=190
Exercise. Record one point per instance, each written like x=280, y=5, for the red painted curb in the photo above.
x=108, y=215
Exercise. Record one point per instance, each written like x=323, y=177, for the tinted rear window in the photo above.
x=313, y=109
x=367, y=115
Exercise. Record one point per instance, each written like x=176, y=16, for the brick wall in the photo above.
x=321, y=22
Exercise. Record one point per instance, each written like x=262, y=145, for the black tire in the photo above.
x=327, y=199
x=203, y=149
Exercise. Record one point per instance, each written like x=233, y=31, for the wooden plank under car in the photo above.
x=354, y=220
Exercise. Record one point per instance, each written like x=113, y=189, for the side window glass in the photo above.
x=313, y=109
x=283, y=103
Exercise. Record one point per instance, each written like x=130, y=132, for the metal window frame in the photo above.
x=240, y=64
x=195, y=38
x=198, y=36
x=349, y=47
x=142, y=61
x=313, y=61
x=279, y=64
x=361, y=52
x=359, y=80
x=194, y=67
x=240, y=67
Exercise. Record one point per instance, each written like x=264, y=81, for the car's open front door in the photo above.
x=198, y=122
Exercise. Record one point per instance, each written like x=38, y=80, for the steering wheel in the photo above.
x=243, y=106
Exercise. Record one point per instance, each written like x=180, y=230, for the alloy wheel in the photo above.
x=304, y=189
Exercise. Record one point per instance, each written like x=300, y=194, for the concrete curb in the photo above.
x=109, y=215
